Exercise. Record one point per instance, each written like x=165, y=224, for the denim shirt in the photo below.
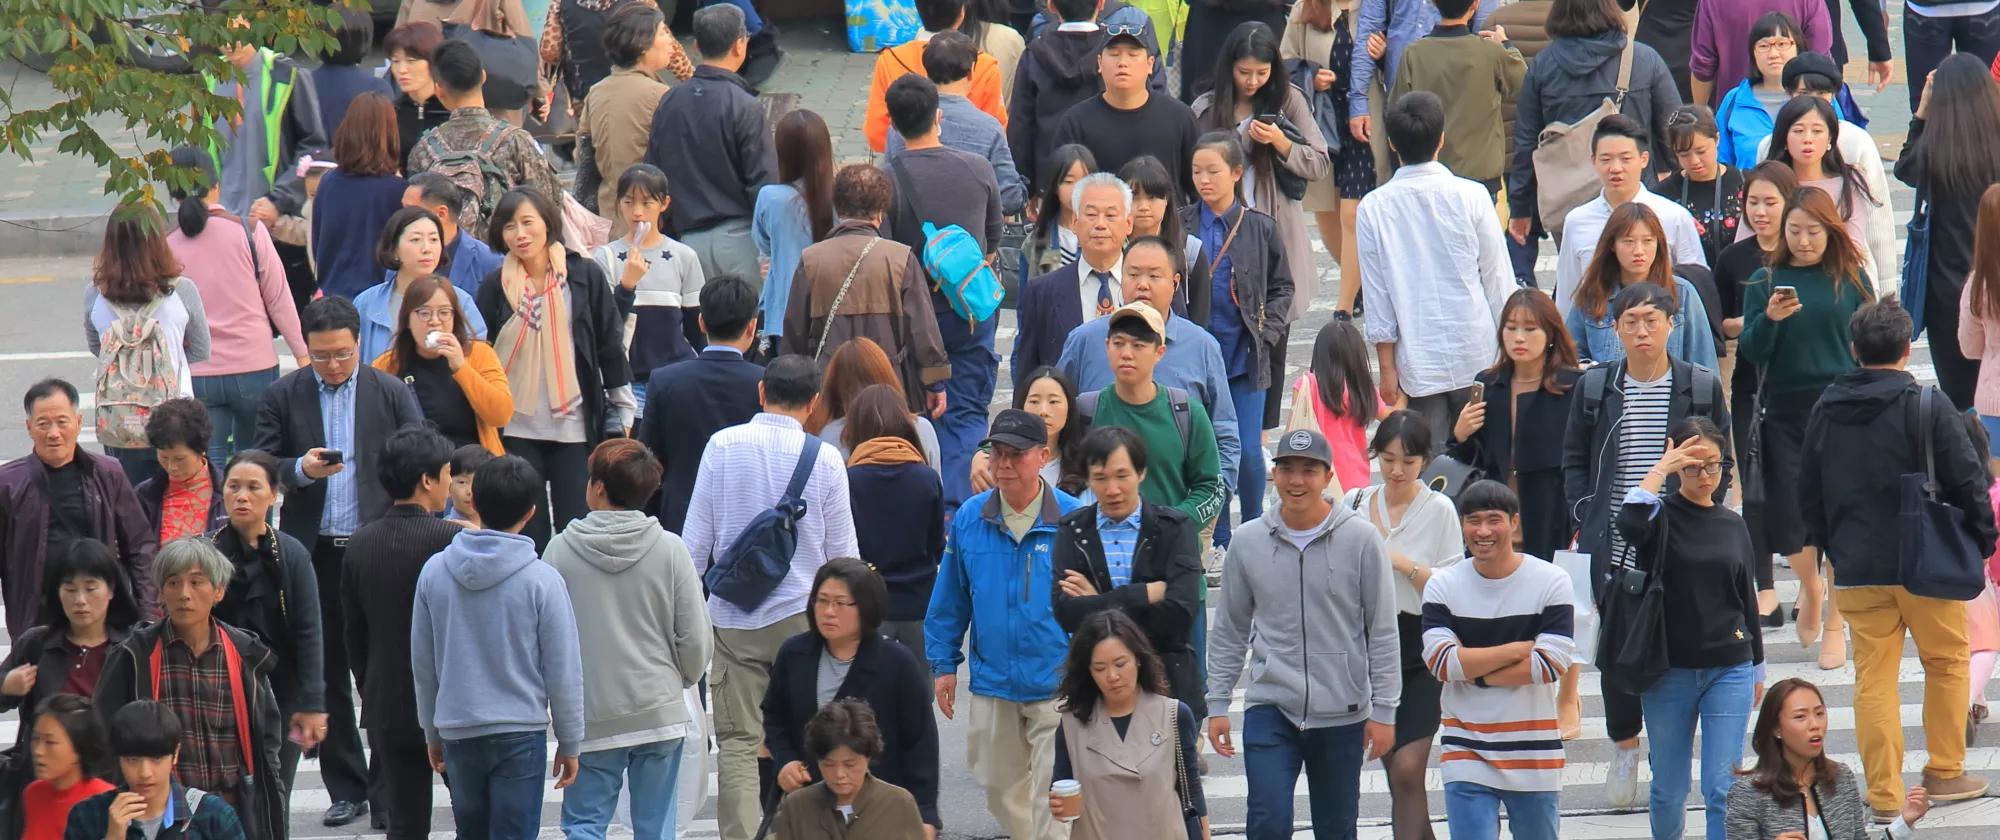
x=378, y=320
x=1225, y=321
x=1408, y=20
x=781, y=231
x=1597, y=338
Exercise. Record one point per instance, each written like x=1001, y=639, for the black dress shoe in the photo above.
x=1775, y=618
x=378, y=822
x=343, y=813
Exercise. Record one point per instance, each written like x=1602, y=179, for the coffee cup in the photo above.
x=1071, y=791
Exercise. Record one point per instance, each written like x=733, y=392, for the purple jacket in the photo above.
x=116, y=519
x=1720, y=52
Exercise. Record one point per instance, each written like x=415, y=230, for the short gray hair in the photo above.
x=192, y=554
x=717, y=28
x=1100, y=179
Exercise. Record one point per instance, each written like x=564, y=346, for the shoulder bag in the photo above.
x=1632, y=645
x=1564, y=177
x=1188, y=811
x=819, y=352
x=1917, y=262
x=1935, y=552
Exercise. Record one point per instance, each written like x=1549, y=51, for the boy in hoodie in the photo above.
x=493, y=650
x=1310, y=576
x=645, y=638
x=1059, y=69
x=1852, y=500
x=1498, y=634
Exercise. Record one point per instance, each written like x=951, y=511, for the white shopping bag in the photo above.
x=695, y=761
x=1584, y=599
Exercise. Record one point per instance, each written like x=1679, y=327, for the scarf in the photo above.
x=535, y=345
x=884, y=451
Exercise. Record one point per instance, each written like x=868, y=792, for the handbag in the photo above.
x=1917, y=262
x=1935, y=552
x=511, y=59
x=1451, y=476
x=1632, y=635
x=1750, y=461
x=1564, y=176
x=1188, y=811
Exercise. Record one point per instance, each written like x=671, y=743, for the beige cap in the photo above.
x=1141, y=309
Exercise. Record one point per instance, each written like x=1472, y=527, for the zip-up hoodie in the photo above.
x=493, y=643
x=1326, y=649
x=639, y=616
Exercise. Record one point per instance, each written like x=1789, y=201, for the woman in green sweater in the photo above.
x=1795, y=314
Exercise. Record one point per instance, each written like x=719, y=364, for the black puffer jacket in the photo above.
x=1567, y=80
x=1850, y=502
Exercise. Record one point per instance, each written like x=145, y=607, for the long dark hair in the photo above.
x=1852, y=184
x=417, y=294
x=192, y=213
x=1841, y=262
x=879, y=411
x=1604, y=276
x=135, y=266
x=1252, y=41
x=1561, y=355
x=1773, y=774
x=1079, y=690
x=980, y=14
x=89, y=558
x=1054, y=169
x=1148, y=177
x=1964, y=109
x=1985, y=274
x=1340, y=372
x=805, y=160
x=1068, y=444
x=86, y=733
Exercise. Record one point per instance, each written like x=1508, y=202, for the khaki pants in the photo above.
x=1011, y=750
x=737, y=680
x=1876, y=618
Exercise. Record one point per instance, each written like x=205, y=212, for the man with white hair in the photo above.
x=1060, y=301
x=216, y=679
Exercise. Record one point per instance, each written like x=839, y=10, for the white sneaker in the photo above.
x=1621, y=788
x=1211, y=565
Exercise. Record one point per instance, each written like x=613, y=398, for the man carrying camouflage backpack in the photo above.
x=481, y=154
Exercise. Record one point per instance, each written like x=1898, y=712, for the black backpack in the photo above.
x=760, y=557
x=1177, y=400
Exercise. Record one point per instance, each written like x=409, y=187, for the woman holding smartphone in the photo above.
x=1795, y=329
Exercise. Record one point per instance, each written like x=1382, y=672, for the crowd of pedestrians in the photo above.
x=576, y=482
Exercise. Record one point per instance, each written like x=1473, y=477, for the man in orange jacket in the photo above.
x=908, y=57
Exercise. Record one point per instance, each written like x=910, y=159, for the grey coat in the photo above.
x=1567, y=80
x=1262, y=277
x=1308, y=160
x=1755, y=815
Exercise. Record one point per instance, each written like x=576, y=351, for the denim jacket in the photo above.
x=1597, y=338
x=378, y=322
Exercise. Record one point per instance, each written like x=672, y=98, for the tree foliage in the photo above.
x=147, y=63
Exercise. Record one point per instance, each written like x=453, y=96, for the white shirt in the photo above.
x=1086, y=286
x=1585, y=224
x=1858, y=149
x=743, y=473
x=1435, y=270
x=1429, y=534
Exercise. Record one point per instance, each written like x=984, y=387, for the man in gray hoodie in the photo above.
x=646, y=640
x=493, y=651
x=1311, y=583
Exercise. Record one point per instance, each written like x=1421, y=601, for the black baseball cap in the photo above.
x=1019, y=429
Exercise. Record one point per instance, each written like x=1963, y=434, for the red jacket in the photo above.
x=116, y=520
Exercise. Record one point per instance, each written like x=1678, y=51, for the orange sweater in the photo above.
x=485, y=384
x=908, y=57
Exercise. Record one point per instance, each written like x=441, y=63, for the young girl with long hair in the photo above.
x=1807, y=138
x=1795, y=328
x=794, y=212
x=1156, y=211
x=1794, y=788
x=1960, y=105
x=1336, y=397
x=136, y=276
x=663, y=273
x=1051, y=244
x=1634, y=249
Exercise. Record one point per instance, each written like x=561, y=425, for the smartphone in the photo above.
x=332, y=456
x=1267, y=118
x=1478, y=392
x=1787, y=292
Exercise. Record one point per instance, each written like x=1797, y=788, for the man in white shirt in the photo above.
x=1618, y=153
x=744, y=472
x=1435, y=270
x=1058, y=302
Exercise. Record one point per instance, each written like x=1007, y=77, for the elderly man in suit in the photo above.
x=327, y=423
x=691, y=399
x=1060, y=301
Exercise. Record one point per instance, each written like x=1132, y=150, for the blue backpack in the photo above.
x=760, y=557
x=953, y=259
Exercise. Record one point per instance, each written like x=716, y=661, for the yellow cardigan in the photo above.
x=485, y=386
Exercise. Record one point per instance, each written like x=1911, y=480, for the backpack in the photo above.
x=952, y=258
x=473, y=170
x=1596, y=386
x=760, y=557
x=1177, y=403
x=135, y=373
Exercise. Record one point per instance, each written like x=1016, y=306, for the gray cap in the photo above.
x=1304, y=443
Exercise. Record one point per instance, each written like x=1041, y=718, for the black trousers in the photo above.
x=341, y=763
x=565, y=466
x=403, y=784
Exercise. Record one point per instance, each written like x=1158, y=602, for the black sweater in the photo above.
x=1707, y=560
x=899, y=520
x=378, y=591
x=1163, y=128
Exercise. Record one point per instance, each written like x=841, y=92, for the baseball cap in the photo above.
x=1019, y=429
x=1306, y=444
x=1814, y=63
x=1143, y=311
x=1118, y=33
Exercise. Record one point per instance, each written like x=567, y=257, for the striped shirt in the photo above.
x=1642, y=439
x=1504, y=737
x=743, y=473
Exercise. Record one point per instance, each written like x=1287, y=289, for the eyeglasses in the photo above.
x=1699, y=470
x=833, y=603
x=1113, y=30
x=342, y=356
x=1772, y=45
x=426, y=313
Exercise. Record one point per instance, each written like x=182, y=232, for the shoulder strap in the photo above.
x=827, y=330
x=1177, y=402
x=1704, y=391
x=808, y=455
x=906, y=187
x=491, y=142
x=250, y=237
x=1625, y=56
x=1180, y=761
x=1086, y=405
x=1593, y=397
x=1224, y=250
x=1924, y=423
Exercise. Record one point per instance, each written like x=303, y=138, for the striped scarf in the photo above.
x=535, y=345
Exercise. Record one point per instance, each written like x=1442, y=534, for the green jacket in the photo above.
x=1804, y=352
x=1185, y=476
x=1473, y=76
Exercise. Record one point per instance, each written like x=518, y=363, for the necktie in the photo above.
x=1104, y=301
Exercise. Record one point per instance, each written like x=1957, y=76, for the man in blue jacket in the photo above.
x=1018, y=647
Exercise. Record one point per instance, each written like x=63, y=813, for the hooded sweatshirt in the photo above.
x=1326, y=650
x=641, y=619
x=493, y=644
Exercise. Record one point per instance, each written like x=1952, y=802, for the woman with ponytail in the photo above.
x=235, y=266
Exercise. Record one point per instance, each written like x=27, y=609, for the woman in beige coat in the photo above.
x=1125, y=739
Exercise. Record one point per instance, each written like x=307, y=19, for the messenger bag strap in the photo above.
x=834, y=308
x=1924, y=441
x=1625, y=57
x=808, y=455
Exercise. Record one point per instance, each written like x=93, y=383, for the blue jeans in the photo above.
x=1274, y=750
x=496, y=784
x=974, y=370
x=1719, y=700
x=232, y=402
x=1472, y=811
x=653, y=771
x=1250, y=470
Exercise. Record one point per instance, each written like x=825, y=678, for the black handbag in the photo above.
x=1632, y=615
x=1451, y=476
x=1935, y=552
x=1750, y=461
